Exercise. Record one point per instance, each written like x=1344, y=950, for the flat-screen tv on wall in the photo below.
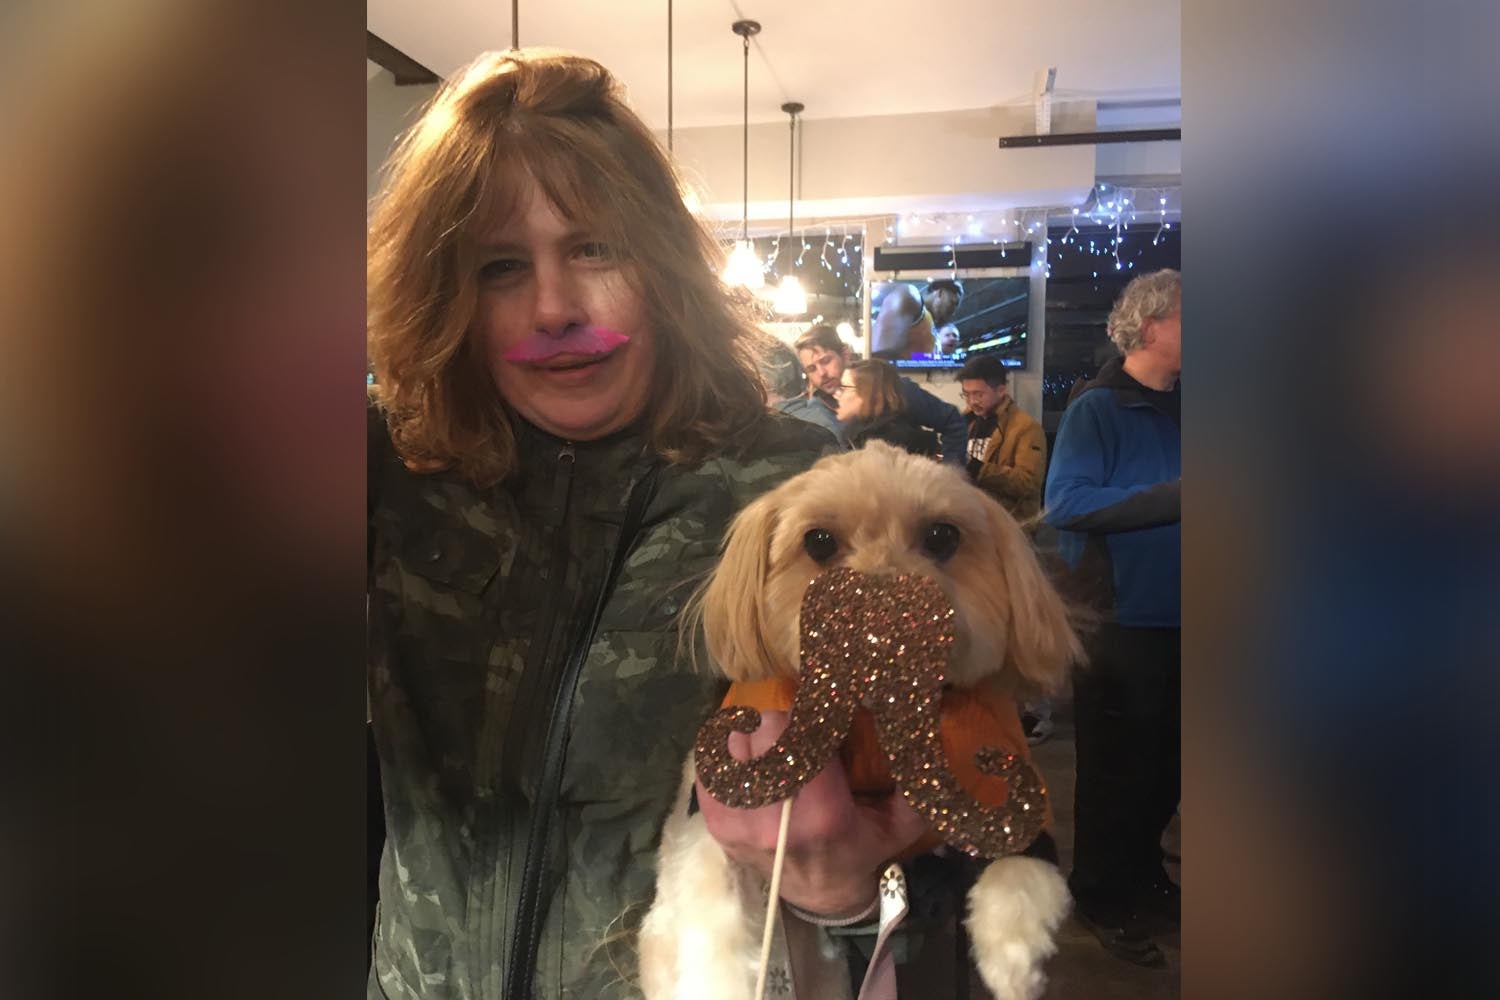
x=943, y=322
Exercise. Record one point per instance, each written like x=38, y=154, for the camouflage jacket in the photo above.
x=476, y=597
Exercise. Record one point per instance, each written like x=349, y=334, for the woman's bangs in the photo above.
x=574, y=186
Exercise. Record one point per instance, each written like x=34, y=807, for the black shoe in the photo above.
x=1161, y=904
x=1123, y=935
x=1037, y=729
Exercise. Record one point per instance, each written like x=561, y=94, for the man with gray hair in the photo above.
x=1114, y=494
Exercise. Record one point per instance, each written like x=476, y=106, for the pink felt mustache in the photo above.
x=584, y=340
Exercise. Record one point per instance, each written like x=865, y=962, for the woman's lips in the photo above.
x=568, y=368
x=570, y=362
x=581, y=342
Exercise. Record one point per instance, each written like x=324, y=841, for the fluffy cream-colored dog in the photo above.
x=883, y=512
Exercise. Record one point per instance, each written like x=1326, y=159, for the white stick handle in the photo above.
x=773, y=904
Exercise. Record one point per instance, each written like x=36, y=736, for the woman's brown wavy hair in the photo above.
x=879, y=387
x=562, y=120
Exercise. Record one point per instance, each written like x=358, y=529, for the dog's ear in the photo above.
x=732, y=604
x=1040, y=643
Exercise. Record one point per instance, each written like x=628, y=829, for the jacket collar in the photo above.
x=618, y=457
x=1001, y=412
x=1128, y=392
x=1114, y=376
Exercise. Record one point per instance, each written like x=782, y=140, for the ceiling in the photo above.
x=842, y=58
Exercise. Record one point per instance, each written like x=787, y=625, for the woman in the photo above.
x=568, y=417
x=871, y=407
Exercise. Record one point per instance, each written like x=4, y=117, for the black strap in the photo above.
x=528, y=923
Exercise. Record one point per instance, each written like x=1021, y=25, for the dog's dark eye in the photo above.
x=940, y=540
x=820, y=544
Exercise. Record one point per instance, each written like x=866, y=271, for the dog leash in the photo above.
x=880, y=975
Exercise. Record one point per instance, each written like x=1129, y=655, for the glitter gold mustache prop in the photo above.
x=879, y=643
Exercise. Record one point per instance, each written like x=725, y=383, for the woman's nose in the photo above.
x=558, y=303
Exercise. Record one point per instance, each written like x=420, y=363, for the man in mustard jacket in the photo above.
x=1007, y=449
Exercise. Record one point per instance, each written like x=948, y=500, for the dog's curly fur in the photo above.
x=700, y=937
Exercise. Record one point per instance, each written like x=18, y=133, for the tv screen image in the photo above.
x=943, y=322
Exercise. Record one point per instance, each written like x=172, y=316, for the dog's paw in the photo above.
x=1015, y=909
x=700, y=938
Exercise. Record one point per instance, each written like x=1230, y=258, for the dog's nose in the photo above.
x=876, y=609
x=879, y=563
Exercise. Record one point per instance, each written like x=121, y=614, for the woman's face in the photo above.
x=564, y=333
x=851, y=406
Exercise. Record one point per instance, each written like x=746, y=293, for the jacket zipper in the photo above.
x=545, y=639
x=527, y=929
x=563, y=484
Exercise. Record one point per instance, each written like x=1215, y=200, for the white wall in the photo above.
x=948, y=161
x=389, y=109
x=1120, y=162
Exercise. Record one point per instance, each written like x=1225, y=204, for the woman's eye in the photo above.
x=594, y=250
x=940, y=540
x=820, y=544
x=502, y=268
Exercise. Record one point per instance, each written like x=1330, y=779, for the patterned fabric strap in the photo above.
x=880, y=977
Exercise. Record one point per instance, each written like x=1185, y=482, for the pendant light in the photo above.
x=744, y=267
x=791, y=300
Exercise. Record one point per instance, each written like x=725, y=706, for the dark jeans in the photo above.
x=1127, y=707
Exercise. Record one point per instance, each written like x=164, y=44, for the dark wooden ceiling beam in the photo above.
x=403, y=67
x=1091, y=138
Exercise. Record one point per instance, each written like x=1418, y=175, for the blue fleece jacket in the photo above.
x=1114, y=490
x=814, y=412
x=926, y=410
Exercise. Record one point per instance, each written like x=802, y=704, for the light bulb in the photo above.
x=744, y=267
x=845, y=330
x=790, y=299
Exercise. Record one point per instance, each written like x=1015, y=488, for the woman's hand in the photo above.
x=836, y=844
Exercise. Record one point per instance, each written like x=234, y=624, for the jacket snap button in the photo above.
x=434, y=555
